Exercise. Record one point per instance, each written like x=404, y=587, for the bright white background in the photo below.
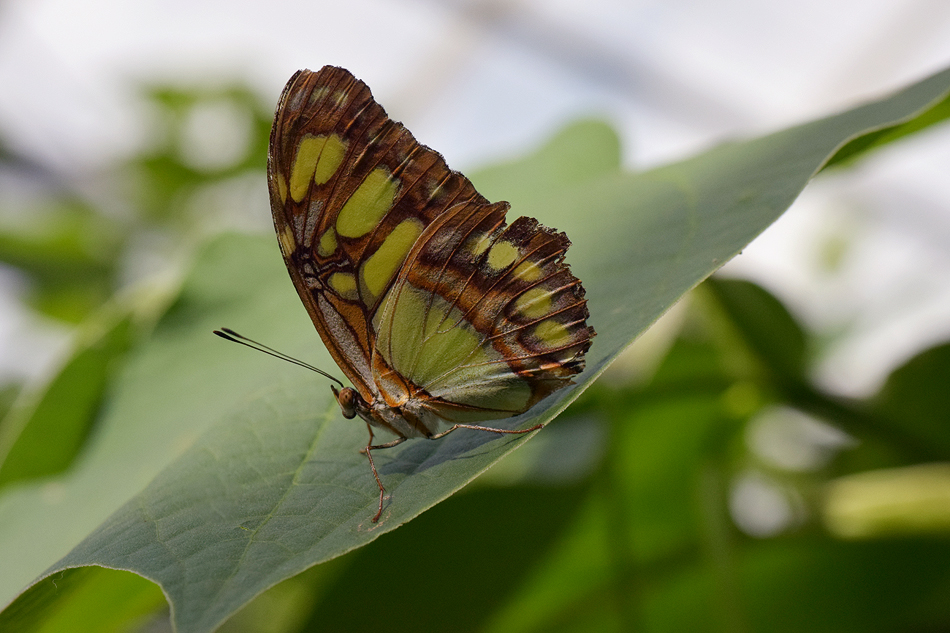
x=482, y=80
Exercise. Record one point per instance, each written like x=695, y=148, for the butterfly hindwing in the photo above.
x=499, y=320
x=351, y=191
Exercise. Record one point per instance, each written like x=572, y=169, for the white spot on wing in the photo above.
x=313, y=213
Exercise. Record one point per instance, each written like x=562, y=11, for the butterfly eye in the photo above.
x=347, y=399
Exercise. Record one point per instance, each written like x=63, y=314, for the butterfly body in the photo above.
x=439, y=312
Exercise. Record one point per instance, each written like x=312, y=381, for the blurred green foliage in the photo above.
x=74, y=253
x=183, y=160
x=64, y=409
x=78, y=257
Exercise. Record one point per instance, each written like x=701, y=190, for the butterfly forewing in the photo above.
x=351, y=191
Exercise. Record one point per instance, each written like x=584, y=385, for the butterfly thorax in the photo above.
x=406, y=420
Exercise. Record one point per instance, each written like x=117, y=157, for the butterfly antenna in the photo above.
x=230, y=335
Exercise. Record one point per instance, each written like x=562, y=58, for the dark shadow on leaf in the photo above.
x=421, y=454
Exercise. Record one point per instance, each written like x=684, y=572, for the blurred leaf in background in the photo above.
x=77, y=247
x=200, y=138
x=78, y=250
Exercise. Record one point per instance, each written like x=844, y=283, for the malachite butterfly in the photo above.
x=439, y=313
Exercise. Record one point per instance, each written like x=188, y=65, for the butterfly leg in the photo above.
x=369, y=456
x=490, y=429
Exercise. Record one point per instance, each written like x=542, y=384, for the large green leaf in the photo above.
x=218, y=473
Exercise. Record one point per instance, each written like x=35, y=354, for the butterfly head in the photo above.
x=349, y=400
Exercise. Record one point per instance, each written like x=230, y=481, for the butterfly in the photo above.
x=439, y=313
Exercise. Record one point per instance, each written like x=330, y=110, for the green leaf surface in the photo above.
x=218, y=473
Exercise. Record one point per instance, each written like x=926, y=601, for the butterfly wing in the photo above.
x=351, y=191
x=483, y=321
